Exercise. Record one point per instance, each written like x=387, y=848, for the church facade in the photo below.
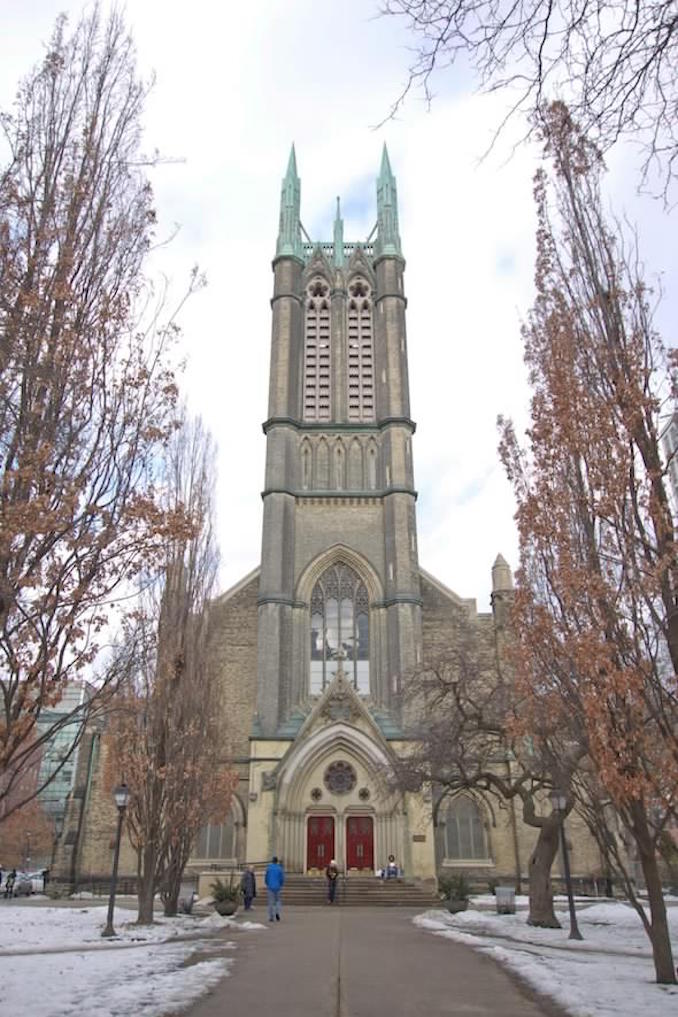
x=314, y=648
x=344, y=612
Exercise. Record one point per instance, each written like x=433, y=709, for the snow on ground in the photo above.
x=609, y=974
x=54, y=963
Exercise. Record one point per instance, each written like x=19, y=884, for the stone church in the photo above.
x=315, y=647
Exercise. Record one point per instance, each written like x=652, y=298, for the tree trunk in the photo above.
x=171, y=901
x=146, y=886
x=658, y=931
x=541, y=890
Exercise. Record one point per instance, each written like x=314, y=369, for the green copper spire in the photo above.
x=289, y=232
x=388, y=238
x=338, y=238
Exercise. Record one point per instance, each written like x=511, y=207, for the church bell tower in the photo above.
x=339, y=581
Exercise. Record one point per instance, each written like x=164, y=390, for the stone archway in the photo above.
x=305, y=790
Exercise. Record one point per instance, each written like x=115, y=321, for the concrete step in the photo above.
x=356, y=892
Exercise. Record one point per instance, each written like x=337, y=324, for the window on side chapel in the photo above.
x=462, y=830
x=360, y=352
x=317, y=351
x=340, y=621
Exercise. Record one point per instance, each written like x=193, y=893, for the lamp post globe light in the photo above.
x=121, y=796
x=559, y=803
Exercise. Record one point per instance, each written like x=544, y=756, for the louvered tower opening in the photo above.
x=317, y=351
x=360, y=353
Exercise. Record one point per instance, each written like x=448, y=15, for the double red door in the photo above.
x=359, y=842
x=320, y=842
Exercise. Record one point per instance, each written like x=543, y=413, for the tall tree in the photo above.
x=87, y=394
x=612, y=60
x=168, y=726
x=595, y=608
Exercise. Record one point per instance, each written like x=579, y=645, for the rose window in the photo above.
x=340, y=778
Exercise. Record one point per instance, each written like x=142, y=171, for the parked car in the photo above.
x=37, y=880
x=23, y=885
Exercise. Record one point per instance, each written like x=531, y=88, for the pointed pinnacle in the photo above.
x=292, y=165
x=385, y=170
x=338, y=215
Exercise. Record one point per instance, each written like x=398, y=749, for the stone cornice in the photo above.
x=287, y=296
x=287, y=257
x=331, y=428
x=325, y=495
x=398, y=296
x=279, y=598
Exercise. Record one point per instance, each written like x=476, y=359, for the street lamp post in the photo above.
x=121, y=796
x=559, y=803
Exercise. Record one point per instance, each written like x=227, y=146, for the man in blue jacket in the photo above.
x=274, y=880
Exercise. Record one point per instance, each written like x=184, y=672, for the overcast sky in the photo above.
x=235, y=85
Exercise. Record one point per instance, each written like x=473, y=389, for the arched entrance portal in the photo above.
x=360, y=843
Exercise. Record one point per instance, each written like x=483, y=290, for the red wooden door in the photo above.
x=320, y=842
x=359, y=842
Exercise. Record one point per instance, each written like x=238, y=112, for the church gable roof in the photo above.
x=341, y=702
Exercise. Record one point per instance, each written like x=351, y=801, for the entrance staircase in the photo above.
x=357, y=891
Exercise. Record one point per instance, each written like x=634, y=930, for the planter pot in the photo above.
x=456, y=905
x=225, y=907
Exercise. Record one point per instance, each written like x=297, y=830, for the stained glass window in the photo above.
x=339, y=622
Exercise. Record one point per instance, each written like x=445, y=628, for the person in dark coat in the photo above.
x=332, y=873
x=9, y=883
x=248, y=885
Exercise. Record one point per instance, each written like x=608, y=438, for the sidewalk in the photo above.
x=357, y=962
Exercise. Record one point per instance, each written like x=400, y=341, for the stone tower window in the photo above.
x=317, y=351
x=360, y=352
x=340, y=621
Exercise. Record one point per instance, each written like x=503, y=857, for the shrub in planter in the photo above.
x=226, y=896
x=454, y=891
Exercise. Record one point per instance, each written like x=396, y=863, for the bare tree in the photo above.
x=595, y=609
x=613, y=61
x=168, y=727
x=470, y=741
x=87, y=394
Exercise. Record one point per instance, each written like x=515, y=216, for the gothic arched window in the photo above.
x=360, y=352
x=462, y=830
x=340, y=622
x=217, y=841
x=317, y=351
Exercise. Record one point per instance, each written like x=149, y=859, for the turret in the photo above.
x=289, y=231
x=388, y=237
x=338, y=238
x=502, y=590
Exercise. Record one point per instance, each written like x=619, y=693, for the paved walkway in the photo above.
x=355, y=962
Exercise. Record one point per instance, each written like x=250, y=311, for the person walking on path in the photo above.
x=332, y=873
x=9, y=883
x=274, y=880
x=248, y=885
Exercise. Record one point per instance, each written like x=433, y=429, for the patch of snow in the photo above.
x=608, y=974
x=145, y=970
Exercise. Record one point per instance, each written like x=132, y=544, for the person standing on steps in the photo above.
x=332, y=873
x=248, y=885
x=274, y=880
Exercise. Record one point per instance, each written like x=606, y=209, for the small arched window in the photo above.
x=339, y=625
x=462, y=830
